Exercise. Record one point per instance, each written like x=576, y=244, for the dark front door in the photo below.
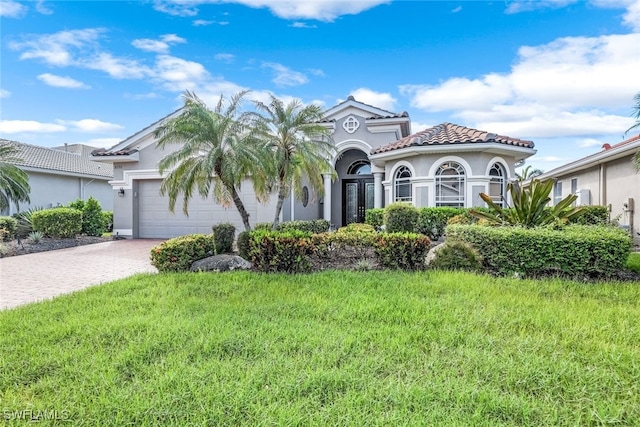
x=357, y=197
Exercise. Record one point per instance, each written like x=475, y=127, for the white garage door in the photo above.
x=156, y=221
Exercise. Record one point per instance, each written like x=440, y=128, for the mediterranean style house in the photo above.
x=61, y=175
x=378, y=161
x=606, y=178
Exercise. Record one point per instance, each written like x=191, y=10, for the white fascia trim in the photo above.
x=451, y=148
x=129, y=176
x=593, y=160
x=355, y=104
x=395, y=128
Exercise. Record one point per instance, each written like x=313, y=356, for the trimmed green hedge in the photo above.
x=223, y=235
x=592, y=215
x=280, y=251
x=405, y=251
x=179, y=253
x=575, y=250
x=400, y=217
x=10, y=226
x=314, y=226
x=57, y=222
x=432, y=221
x=374, y=217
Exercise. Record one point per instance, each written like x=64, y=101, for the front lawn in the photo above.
x=331, y=348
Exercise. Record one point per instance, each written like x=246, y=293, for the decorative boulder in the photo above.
x=221, y=263
x=432, y=253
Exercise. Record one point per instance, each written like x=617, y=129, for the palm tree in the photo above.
x=14, y=182
x=216, y=147
x=300, y=147
x=636, y=115
x=528, y=173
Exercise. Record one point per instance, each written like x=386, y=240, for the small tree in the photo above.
x=530, y=206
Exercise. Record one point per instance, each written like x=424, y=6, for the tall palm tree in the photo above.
x=636, y=115
x=14, y=182
x=216, y=148
x=300, y=147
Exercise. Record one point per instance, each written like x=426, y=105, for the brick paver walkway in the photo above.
x=44, y=275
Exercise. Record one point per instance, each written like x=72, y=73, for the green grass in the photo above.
x=333, y=348
x=633, y=263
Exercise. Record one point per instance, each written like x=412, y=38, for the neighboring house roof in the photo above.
x=449, y=134
x=33, y=157
x=608, y=153
x=79, y=149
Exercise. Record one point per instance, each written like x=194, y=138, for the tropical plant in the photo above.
x=14, y=182
x=217, y=149
x=300, y=147
x=530, y=206
x=636, y=115
x=528, y=173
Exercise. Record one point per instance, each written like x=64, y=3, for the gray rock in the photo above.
x=432, y=253
x=221, y=263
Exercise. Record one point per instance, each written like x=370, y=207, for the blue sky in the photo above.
x=560, y=72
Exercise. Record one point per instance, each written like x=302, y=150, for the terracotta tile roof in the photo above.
x=449, y=133
x=33, y=156
x=390, y=116
x=79, y=149
x=620, y=144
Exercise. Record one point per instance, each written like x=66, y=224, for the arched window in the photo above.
x=498, y=184
x=359, y=167
x=402, y=182
x=450, y=185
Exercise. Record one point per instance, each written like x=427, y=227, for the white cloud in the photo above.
x=590, y=142
x=59, y=48
x=225, y=57
x=176, y=74
x=285, y=76
x=22, y=126
x=90, y=125
x=177, y=7
x=41, y=8
x=303, y=25
x=325, y=10
x=202, y=23
x=379, y=99
x=62, y=81
x=4, y=93
x=571, y=86
x=456, y=9
x=118, y=68
x=141, y=96
x=418, y=127
x=516, y=6
x=158, y=46
x=12, y=9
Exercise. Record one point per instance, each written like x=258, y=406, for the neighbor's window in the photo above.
x=574, y=189
x=557, y=192
x=402, y=182
x=450, y=184
x=497, y=185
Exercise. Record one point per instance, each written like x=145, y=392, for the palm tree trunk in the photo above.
x=282, y=193
x=240, y=206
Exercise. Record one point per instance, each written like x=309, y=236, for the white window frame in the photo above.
x=557, y=192
x=500, y=180
x=403, y=181
x=454, y=182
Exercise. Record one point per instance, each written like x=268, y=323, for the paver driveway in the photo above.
x=44, y=275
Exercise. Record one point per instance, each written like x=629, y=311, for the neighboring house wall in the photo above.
x=49, y=190
x=607, y=178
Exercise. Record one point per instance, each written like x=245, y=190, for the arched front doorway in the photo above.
x=357, y=186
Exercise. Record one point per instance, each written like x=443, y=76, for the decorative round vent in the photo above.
x=305, y=196
x=351, y=124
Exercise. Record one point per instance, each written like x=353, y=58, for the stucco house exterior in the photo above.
x=605, y=178
x=61, y=175
x=378, y=161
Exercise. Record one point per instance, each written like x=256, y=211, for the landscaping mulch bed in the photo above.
x=26, y=246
